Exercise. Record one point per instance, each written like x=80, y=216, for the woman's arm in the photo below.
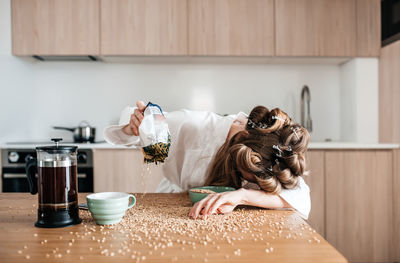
x=263, y=199
x=225, y=202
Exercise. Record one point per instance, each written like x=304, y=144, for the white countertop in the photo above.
x=351, y=145
x=312, y=146
x=102, y=145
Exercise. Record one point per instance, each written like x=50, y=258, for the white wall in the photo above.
x=359, y=100
x=36, y=95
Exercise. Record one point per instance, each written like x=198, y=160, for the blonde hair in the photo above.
x=272, y=148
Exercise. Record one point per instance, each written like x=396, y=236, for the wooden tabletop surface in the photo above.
x=157, y=229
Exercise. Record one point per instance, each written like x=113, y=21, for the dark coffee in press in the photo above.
x=57, y=187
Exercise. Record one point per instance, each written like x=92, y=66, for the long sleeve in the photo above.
x=299, y=198
x=114, y=134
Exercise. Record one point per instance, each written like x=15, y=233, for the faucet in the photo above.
x=306, y=121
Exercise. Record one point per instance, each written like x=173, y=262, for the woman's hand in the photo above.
x=136, y=118
x=220, y=203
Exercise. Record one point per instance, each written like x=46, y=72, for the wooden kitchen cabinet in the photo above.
x=315, y=27
x=48, y=27
x=368, y=28
x=396, y=207
x=123, y=170
x=316, y=182
x=389, y=124
x=231, y=27
x=137, y=27
x=389, y=93
x=359, y=211
x=196, y=27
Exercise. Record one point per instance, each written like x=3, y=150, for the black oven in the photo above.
x=14, y=178
x=390, y=21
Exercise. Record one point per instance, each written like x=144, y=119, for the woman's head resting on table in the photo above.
x=267, y=149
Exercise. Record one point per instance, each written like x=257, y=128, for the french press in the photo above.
x=56, y=184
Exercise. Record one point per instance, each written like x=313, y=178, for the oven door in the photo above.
x=14, y=180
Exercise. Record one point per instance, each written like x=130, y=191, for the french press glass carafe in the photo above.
x=56, y=184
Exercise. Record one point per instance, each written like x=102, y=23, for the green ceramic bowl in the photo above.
x=109, y=207
x=195, y=197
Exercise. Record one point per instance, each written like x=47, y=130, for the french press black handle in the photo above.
x=30, y=169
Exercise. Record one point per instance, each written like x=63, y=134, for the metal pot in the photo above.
x=83, y=133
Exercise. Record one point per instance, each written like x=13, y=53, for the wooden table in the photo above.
x=255, y=235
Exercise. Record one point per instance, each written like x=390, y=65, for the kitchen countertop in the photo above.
x=352, y=145
x=251, y=232
x=312, y=146
x=101, y=145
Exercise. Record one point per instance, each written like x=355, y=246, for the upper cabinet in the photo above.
x=137, y=27
x=340, y=28
x=328, y=28
x=231, y=27
x=315, y=27
x=368, y=28
x=48, y=27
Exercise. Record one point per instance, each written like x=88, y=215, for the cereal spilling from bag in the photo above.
x=154, y=135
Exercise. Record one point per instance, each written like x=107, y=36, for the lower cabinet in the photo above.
x=396, y=207
x=123, y=170
x=316, y=181
x=359, y=204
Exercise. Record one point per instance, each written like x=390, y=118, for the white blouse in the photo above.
x=195, y=138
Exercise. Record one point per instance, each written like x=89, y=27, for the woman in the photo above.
x=261, y=155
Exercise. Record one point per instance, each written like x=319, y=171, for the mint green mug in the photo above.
x=109, y=207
